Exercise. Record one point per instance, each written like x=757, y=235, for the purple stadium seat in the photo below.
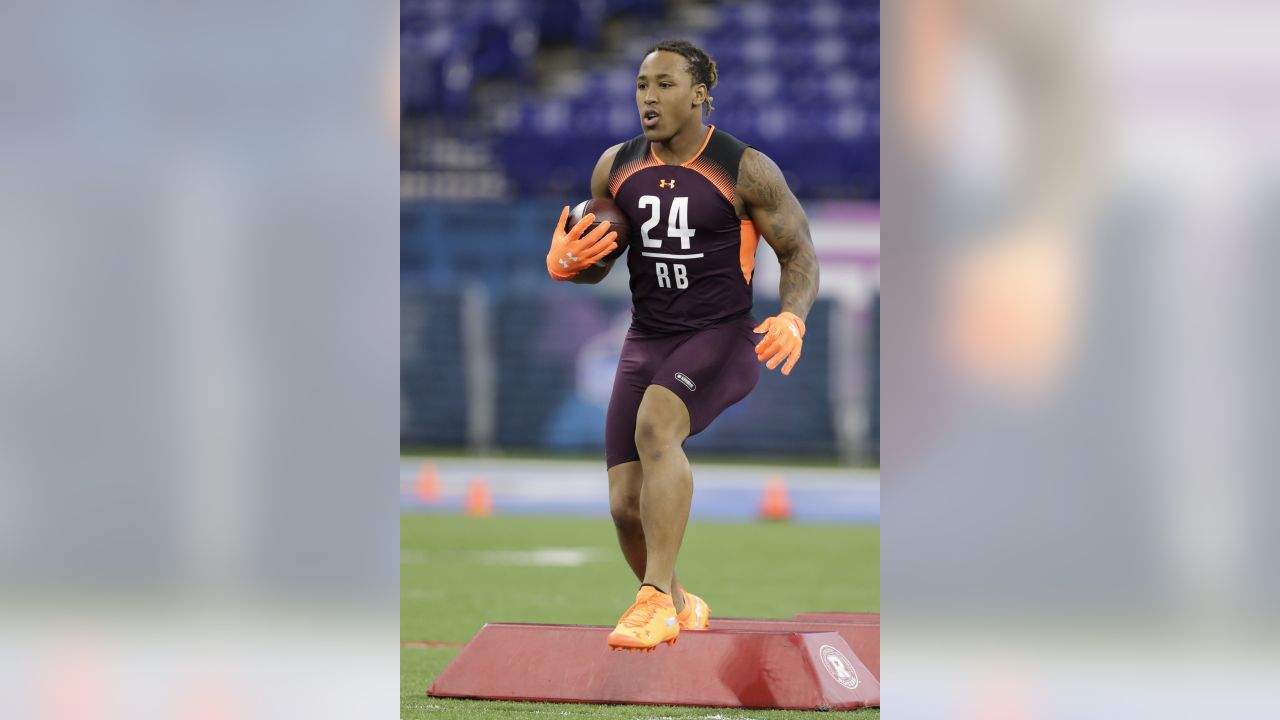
x=800, y=80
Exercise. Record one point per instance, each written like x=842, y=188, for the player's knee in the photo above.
x=650, y=436
x=661, y=422
x=626, y=513
x=624, y=505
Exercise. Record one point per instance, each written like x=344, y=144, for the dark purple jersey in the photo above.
x=691, y=257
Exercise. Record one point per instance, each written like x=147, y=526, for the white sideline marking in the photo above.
x=537, y=557
x=542, y=557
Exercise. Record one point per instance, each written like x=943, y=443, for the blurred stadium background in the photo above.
x=506, y=106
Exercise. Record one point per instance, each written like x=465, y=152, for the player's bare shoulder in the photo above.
x=600, y=176
x=761, y=184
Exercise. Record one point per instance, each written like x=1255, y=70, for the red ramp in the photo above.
x=841, y=617
x=770, y=668
x=862, y=635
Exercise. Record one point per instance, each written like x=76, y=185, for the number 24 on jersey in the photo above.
x=677, y=227
x=677, y=223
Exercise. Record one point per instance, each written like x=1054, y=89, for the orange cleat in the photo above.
x=696, y=615
x=650, y=621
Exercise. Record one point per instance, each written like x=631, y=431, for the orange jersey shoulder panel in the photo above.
x=622, y=172
x=747, y=250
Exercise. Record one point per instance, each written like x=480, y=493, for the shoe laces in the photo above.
x=639, y=614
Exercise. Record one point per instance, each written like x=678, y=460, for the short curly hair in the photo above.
x=701, y=66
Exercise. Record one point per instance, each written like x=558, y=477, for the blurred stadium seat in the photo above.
x=551, y=83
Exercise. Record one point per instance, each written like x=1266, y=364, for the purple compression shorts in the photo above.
x=709, y=369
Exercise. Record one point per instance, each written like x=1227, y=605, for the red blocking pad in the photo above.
x=843, y=617
x=780, y=669
x=862, y=636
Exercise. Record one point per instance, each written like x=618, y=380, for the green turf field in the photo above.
x=457, y=573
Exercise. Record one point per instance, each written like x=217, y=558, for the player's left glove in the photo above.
x=783, y=338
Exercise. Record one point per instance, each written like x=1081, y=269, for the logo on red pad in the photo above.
x=838, y=666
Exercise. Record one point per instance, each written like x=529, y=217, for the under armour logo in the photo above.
x=666, y=183
x=569, y=254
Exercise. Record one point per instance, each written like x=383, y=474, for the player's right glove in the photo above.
x=572, y=252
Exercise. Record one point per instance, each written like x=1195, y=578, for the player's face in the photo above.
x=665, y=94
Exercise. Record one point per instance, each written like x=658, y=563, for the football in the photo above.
x=604, y=210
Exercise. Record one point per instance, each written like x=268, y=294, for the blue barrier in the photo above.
x=554, y=353
x=433, y=392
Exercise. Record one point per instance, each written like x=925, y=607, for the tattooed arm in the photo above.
x=778, y=216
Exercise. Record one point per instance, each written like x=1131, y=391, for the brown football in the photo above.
x=603, y=210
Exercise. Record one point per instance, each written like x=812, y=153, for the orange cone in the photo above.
x=428, y=486
x=775, y=504
x=478, y=502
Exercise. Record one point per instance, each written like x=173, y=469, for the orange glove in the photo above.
x=783, y=338
x=571, y=252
